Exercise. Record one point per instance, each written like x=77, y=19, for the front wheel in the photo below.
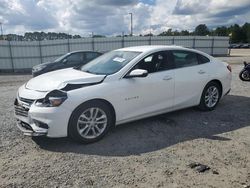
x=244, y=75
x=90, y=122
x=210, y=97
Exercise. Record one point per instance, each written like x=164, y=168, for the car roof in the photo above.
x=78, y=51
x=149, y=48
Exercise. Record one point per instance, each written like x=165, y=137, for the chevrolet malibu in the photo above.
x=120, y=86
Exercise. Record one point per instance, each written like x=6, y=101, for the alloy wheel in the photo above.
x=211, y=96
x=92, y=123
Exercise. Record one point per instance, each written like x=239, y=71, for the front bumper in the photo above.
x=42, y=121
x=31, y=129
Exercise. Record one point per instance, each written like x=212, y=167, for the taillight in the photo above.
x=229, y=68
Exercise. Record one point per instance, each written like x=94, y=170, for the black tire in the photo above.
x=73, y=122
x=242, y=77
x=203, y=106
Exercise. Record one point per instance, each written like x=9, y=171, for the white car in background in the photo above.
x=120, y=86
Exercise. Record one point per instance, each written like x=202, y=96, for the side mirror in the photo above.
x=137, y=73
x=64, y=61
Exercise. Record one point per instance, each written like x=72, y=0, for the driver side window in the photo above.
x=154, y=62
x=75, y=58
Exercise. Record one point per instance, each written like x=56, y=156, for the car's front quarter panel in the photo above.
x=109, y=91
x=55, y=117
x=76, y=97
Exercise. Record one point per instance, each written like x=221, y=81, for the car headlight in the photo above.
x=38, y=68
x=52, y=99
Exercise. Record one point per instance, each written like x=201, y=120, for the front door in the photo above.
x=147, y=95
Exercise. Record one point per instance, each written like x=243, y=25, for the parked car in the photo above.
x=120, y=86
x=245, y=46
x=71, y=59
x=239, y=45
x=235, y=45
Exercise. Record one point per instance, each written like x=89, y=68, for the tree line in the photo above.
x=39, y=36
x=237, y=34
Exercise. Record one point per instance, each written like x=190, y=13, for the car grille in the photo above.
x=22, y=107
x=26, y=101
x=21, y=111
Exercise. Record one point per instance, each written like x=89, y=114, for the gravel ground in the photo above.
x=154, y=152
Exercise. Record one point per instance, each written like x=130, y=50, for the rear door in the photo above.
x=190, y=77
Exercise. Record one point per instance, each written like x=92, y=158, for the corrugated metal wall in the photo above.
x=17, y=55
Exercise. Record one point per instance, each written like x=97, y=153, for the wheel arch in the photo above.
x=91, y=101
x=219, y=83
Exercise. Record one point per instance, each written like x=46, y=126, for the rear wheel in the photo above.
x=210, y=96
x=244, y=75
x=90, y=122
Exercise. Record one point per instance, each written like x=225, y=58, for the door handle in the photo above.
x=167, y=78
x=201, y=72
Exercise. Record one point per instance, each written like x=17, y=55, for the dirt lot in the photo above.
x=154, y=152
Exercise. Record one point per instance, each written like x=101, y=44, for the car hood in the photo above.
x=59, y=79
x=47, y=64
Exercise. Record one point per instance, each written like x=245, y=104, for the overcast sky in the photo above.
x=110, y=17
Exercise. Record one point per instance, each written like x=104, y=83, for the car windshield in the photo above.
x=61, y=57
x=110, y=62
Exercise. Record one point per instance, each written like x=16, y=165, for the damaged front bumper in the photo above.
x=41, y=121
x=31, y=129
x=25, y=123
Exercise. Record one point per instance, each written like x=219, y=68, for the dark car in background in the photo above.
x=72, y=59
x=239, y=45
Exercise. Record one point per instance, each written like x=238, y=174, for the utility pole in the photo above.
x=131, y=24
x=1, y=30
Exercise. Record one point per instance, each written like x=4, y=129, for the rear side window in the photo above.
x=202, y=59
x=183, y=58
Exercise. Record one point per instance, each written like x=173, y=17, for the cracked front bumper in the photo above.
x=42, y=121
x=31, y=129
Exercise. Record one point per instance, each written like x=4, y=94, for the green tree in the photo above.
x=237, y=34
x=246, y=32
x=201, y=30
x=98, y=36
x=166, y=33
x=148, y=34
x=184, y=33
x=221, y=31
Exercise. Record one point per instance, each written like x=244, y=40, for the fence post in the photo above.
x=93, y=44
x=212, y=47
x=68, y=45
x=194, y=43
x=11, y=57
x=122, y=40
x=150, y=40
x=173, y=41
x=40, y=52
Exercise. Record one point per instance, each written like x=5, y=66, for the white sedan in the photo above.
x=120, y=86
